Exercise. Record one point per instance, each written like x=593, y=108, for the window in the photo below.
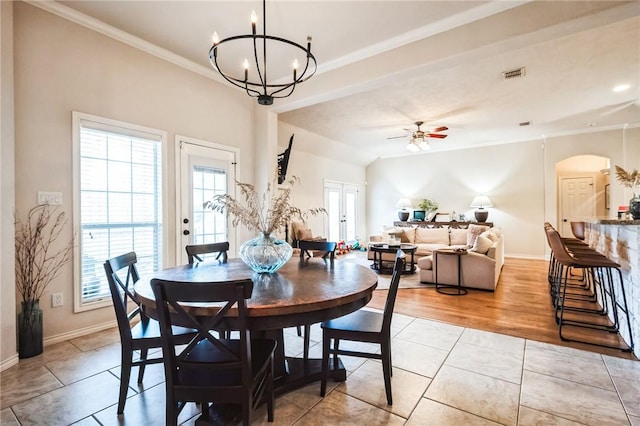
x=118, y=201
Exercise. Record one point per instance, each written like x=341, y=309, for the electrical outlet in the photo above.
x=56, y=300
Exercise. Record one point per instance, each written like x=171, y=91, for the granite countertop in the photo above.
x=615, y=221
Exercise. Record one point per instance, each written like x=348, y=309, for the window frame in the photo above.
x=127, y=128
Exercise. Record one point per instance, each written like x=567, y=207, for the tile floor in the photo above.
x=443, y=375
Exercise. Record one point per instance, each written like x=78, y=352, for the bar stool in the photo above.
x=599, y=269
x=584, y=286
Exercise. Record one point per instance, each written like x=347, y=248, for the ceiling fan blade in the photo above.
x=397, y=137
x=436, y=135
x=440, y=129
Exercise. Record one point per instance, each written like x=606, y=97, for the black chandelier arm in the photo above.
x=240, y=83
x=255, y=56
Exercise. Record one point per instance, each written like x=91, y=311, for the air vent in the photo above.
x=524, y=123
x=517, y=73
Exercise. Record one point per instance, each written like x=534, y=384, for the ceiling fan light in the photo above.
x=424, y=145
x=413, y=147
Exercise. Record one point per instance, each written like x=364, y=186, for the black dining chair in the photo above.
x=141, y=336
x=307, y=251
x=195, y=251
x=209, y=368
x=364, y=326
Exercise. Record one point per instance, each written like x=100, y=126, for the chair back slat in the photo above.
x=194, y=251
x=398, y=268
x=329, y=247
x=173, y=299
x=115, y=268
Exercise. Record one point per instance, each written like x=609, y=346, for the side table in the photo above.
x=448, y=289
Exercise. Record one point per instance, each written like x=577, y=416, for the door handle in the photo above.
x=186, y=232
x=564, y=220
x=185, y=220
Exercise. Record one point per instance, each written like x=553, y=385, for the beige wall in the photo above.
x=519, y=178
x=511, y=175
x=312, y=169
x=61, y=67
x=8, y=355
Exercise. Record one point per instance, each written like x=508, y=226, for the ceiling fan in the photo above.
x=418, y=140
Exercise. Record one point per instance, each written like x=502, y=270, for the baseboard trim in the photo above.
x=9, y=362
x=63, y=337
x=527, y=256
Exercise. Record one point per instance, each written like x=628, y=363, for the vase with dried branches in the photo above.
x=264, y=213
x=631, y=180
x=38, y=262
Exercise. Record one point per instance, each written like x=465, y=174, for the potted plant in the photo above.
x=429, y=206
x=37, y=264
x=631, y=180
x=264, y=213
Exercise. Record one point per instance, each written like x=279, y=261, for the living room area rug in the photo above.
x=384, y=280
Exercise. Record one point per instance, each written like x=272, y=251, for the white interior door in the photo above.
x=341, y=203
x=205, y=170
x=578, y=201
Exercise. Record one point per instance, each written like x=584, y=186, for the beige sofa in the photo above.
x=480, y=267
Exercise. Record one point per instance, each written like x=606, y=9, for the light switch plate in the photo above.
x=51, y=198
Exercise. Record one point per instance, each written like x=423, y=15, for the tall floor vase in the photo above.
x=30, y=329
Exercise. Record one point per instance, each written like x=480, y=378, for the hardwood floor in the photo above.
x=520, y=306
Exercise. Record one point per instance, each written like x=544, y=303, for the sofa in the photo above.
x=480, y=267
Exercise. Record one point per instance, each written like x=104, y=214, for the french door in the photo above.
x=204, y=170
x=341, y=203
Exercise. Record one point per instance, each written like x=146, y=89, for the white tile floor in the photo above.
x=443, y=375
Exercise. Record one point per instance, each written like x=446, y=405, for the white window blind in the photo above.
x=120, y=192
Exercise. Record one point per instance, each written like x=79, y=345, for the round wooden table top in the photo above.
x=302, y=291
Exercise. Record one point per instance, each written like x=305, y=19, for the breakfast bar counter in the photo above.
x=619, y=240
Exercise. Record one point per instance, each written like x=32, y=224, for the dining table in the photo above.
x=302, y=292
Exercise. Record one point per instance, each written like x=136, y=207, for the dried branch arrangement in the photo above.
x=37, y=261
x=265, y=213
x=628, y=179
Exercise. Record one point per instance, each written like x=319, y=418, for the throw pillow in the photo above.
x=482, y=245
x=490, y=235
x=305, y=234
x=473, y=232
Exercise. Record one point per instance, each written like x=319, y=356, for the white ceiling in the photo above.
x=386, y=64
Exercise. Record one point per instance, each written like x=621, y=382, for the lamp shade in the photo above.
x=481, y=201
x=403, y=203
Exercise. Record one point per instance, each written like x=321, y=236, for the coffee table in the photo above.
x=386, y=266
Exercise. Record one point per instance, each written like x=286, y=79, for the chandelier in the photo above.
x=258, y=86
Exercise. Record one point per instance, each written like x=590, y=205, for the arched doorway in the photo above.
x=582, y=188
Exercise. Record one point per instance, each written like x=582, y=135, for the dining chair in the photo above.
x=364, y=326
x=210, y=368
x=307, y=250
x=194, y=251
x=143, y=335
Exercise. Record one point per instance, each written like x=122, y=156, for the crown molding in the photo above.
x=105, y=29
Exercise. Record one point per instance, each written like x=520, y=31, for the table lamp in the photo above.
x=403, y=214
x=481, y=201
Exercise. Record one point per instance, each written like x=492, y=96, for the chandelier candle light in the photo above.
x=259, y=86
x=481, y=201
